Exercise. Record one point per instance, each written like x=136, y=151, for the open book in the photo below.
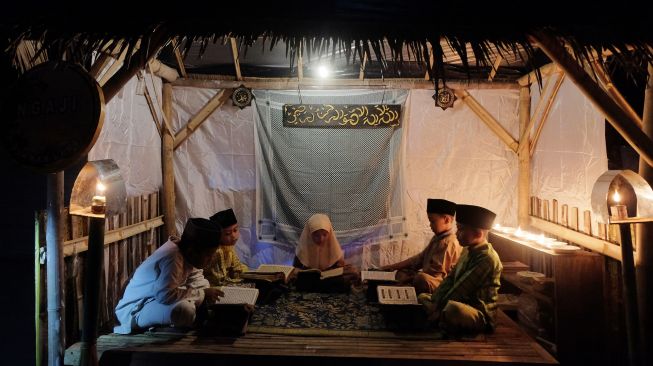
x=238, y=295
x=378, y=275
x=397, y=295
x=324, y=274
x=273, y=268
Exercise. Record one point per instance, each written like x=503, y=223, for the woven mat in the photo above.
x=337, y=315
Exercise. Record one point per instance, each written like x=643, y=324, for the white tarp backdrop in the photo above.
x=447, y=154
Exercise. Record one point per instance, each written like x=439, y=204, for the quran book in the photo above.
x=332, y=273
x=274, y=268
x=378, y=275
x=321, y=274
x=397, y=295
x=238, y=295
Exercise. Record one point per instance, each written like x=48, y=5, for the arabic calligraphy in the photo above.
x=341, y=115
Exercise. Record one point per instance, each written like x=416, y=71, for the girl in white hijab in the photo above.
x=318, y=246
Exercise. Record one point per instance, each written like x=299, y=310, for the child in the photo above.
x=168, y=287
x=439, y=256
x=225, y=265
x=466, y=300
x=318, y=246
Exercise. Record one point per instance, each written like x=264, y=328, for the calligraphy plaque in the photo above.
x=52, y=116
x=341, y=115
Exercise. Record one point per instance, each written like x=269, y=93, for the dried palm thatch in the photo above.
x=388, y=30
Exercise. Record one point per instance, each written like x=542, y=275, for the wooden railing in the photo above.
x=129, y=239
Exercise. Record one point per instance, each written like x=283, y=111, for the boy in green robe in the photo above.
x=466, y=301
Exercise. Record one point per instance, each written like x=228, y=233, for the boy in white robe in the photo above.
x=168, y=287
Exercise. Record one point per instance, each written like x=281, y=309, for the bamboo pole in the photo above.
x=644, y=258
x=55, y=282
x=616, y=95
x=167, y=164
x=619, y=119
x=361, y=74
x=236, y=57
x=180, y=60
x=524, y=133
x=228, y=82
x=495, y=67
x=121, y=233
x=487, y=118
x=137, y=62
x=524, y=179
x=37, y=289
x=545, y=113
x=213, y=104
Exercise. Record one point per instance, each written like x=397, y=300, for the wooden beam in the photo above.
x=167, y=164
x=619, y=119
x=545, y=113
x=524, y=164
x=495, y=67
x=486, y=117
x=137, y=62
x=79, y=245
x=214, y=103
x=595, y=244
x=616, y=95
x=236, y=56
x=308, y=83
x=180, y=60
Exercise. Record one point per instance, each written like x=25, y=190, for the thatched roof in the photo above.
x=388, y=31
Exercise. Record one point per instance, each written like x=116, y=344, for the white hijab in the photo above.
x=312, y=255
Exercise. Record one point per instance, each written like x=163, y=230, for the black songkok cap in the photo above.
x=201, y=233
x=475, y=216
x=440, y=206
x=225, y=218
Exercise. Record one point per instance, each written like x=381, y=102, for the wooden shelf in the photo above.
x=514, y=279
x=577, y=293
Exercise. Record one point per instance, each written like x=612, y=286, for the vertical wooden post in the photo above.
x=644, y=260
x=55, y=282
x=630, y=295
x=524, y=167
x=94, y=269
x=556, y=217
x=167, y=163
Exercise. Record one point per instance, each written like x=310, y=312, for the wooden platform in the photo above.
x=509, y=345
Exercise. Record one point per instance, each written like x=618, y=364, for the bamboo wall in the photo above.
x=121, y=258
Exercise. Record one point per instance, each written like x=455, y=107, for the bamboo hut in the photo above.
x=525, y=137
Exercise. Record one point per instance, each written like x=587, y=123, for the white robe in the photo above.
x=165, y=277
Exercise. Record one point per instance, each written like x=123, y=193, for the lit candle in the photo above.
x=99, y=201
x=618, y=211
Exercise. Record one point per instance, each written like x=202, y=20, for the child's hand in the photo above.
x=212, y=295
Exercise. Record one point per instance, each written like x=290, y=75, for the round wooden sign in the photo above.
x=52, y=116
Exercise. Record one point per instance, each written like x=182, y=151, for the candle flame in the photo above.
x=616, y=197
x=100, y=188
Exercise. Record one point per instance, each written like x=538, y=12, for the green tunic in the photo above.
x=475, y=281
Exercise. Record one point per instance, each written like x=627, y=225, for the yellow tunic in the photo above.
x=223, y=265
